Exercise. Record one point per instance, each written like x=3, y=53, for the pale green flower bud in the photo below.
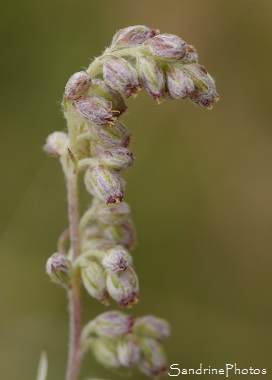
x=113, y=213
x=59, y=269
x=123, y=234
x=92, y=232
x=105, y=184
x=94, y=280
x=152, y=327
x=153, y=362
x=117, y=260
x=123, y=287
x=167, y=47
x=105, y=352
x=191, y=55
x=120, y=75
x=95, y=109
x=111, y=324
x=128, y=350
x=119, y=158
x=77, y=85
x=112, y=135
x=56, y=143
x=100, y=88
x=151, y=77
x=180, y=85
x=132, y=36
x=98, y=244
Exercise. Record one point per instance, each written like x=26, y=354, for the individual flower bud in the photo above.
x=113, y=213
x=105, y=184
x=94, y=280
x=112, y=135
x=105, y=352
x=117, y=260
x=100, y=88
x=92, y=232
x=56, y=143
x=123, y=287
x=77, y=85
x=180, y=85
x=98, y=244
x=128, y=350
x=119, y=158
x=151, y=77
x=167, y=47
x=120, y=75
x=132, y=36
x=111, y=324
x=153, y=362
x=152, y=327
x=95, y=109
x=123, y=234
x=59, y=269
x=191, y=55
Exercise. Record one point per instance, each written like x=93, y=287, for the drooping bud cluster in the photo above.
x=118, y=340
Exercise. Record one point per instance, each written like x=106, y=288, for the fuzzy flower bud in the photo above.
x=112, y=135
x=100, y=88
x=123, y=234
x=116, y=158
x=59, y=269
x=95, y=109
x=151, y=77
x=153, y=362
x=56, y=143
x=123, y=287
x=180, y=85
x=94, y=281
x=111, y=324
x=167, y=47
x=152, y=327
x=105, y=184
x=113, y=214
x=120, y=75
x=117, y=260
x=191, y=55
x=128, y=350
x=105, y=352
x=77, y=85
x=132, y=36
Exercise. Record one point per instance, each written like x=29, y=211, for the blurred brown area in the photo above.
x=200, y=190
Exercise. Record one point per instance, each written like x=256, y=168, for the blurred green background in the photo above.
x=200, y=190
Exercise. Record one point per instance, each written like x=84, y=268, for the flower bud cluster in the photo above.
x=119, y=340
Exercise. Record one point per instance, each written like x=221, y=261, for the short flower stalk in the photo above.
x=98, y=256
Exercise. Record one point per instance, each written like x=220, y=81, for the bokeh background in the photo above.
x=200, y=190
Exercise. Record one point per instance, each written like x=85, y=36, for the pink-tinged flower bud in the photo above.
x=180, y=85
x=123, y=287
x=152, y=327
x=153, y=362
x=113, y=214
x=128, y=350
x=100, y=88
x=191, y=55
x=112, y=324
x=132, y=36
x=95, y=109
x=112, y=135
x=94, y=280
x=151, y=77
x=105, y=352
x=117, y=260
x=116, y=158
x=77, y=85
x=167, y=47
x=105, y=184
x=123, y=234
x=59, y=269
x=120, y=75
x=56, y=143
